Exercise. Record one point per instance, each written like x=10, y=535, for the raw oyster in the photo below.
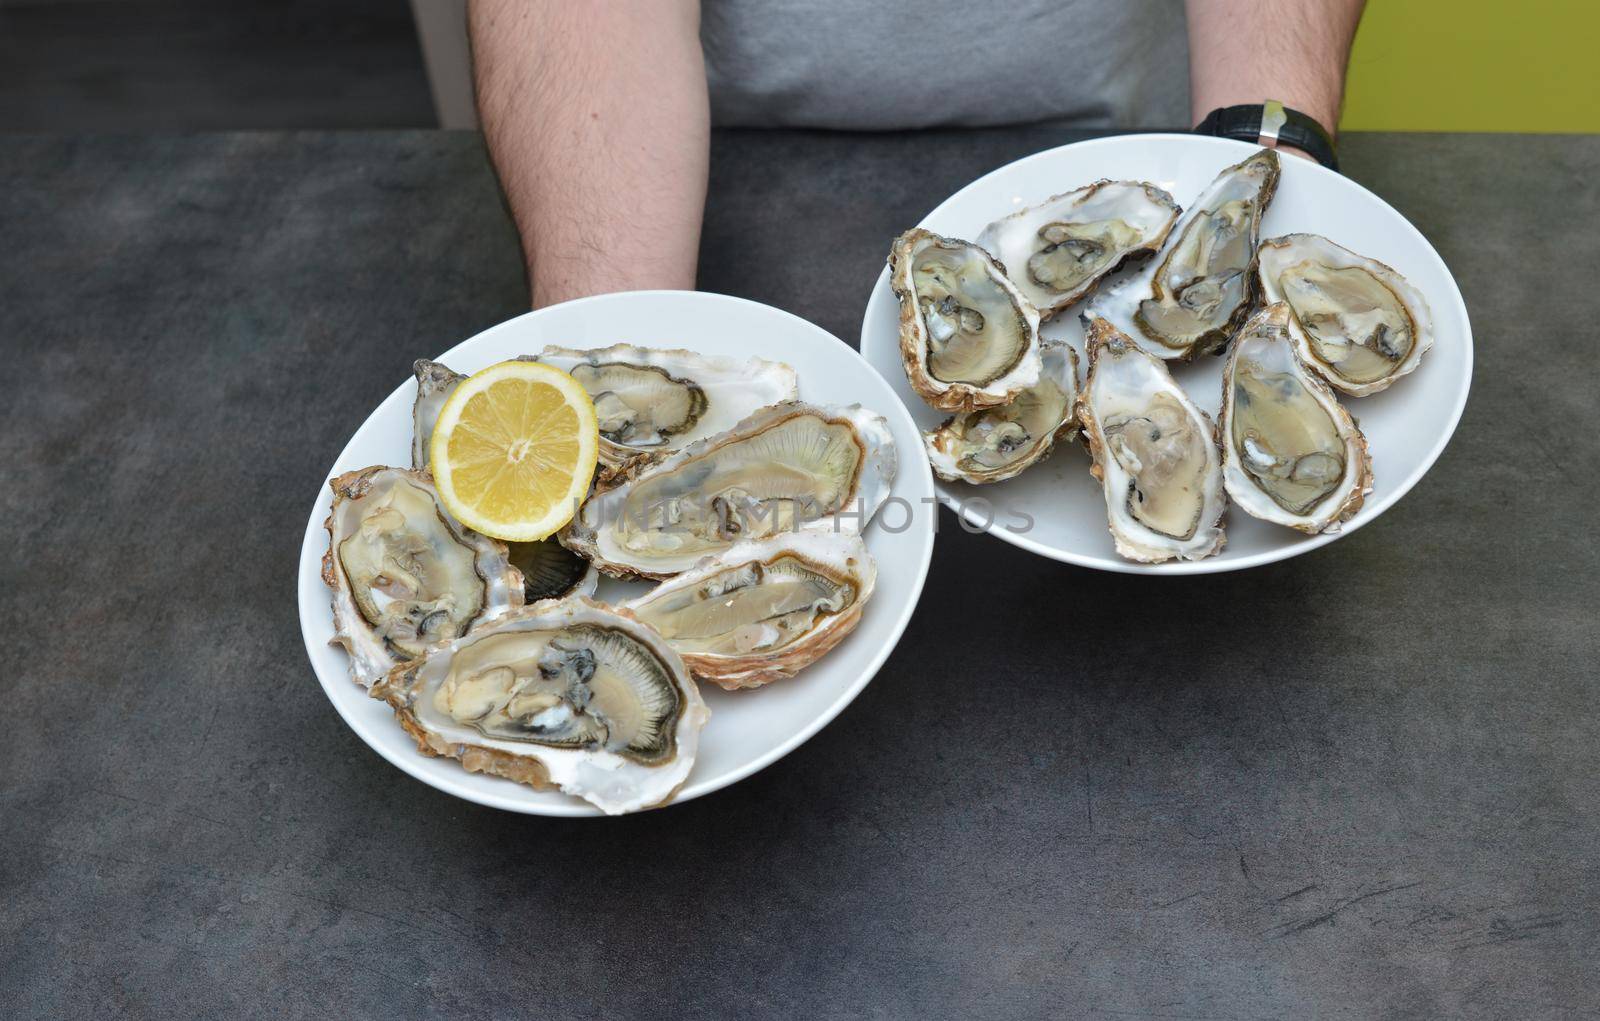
x=1365, y=325
x=785, y=468
x=551, y=571
x=968, y=338
x=650, y=400
x=1291, y=454
x=564, y=694
x=998, y=443
x=765, y=609
x=1191, y=297
x=1154, y=452
x=1055, y=252
x=404, y=574
x=435, y=384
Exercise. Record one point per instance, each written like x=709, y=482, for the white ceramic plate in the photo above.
x=1056, y=509
x=749, y=729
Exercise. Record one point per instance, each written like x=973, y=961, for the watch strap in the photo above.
x=1272, y=124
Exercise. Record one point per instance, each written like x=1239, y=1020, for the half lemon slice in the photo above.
x=514, y=450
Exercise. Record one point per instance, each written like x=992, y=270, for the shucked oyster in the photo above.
x=1291, y=454
x=763, y=610
x=789, y=467
x=968, y=338
x=404, y=574
x=1190, y=298
x=1154, y=452
x=1365, y=325
x=999, y=443
x=1058, y=250
x=650, y=400
x=566, y=694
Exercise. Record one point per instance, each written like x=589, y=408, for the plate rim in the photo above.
x=1371, y=510
x=309, y=586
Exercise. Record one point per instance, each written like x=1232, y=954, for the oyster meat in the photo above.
x=1190, y=298
x=650, y=400
x=999, y=443
x=968, y=337
x=404, y=573
x=1154, y=453
x=564, y=694
x=1056, y=251
x=765, y=609
x=1364, y=325
x=1291, y=454
x=790, y=467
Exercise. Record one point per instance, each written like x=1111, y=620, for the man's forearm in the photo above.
x=1249, y=51
x=597, y=120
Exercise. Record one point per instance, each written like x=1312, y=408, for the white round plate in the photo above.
x=1056, y=508
x=748, y=729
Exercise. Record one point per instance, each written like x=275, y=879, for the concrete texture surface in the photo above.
x=1358, y=784
x=71, y=66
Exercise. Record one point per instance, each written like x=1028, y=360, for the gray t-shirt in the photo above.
x=876, y=64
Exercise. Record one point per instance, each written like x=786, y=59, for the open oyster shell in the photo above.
x=968, y=338
x=1154, y=452
x=1057, y=251
x=1000, y=443
x=790, y=467
x=435, y=384
x=1364, y=325
x=650, y=400
x=763, y=610
x=1291, y=454
x=564, y=694
x=404, y=573
x=1188, y=299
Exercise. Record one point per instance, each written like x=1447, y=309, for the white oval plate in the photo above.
x=1056, y=509
x=749, y=729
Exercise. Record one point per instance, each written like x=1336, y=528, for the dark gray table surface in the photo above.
x=1360, y=783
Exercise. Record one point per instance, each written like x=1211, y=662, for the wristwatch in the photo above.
x=1271, y=124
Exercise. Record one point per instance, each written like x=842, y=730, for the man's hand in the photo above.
x=598, y=122
x=1250, y=51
